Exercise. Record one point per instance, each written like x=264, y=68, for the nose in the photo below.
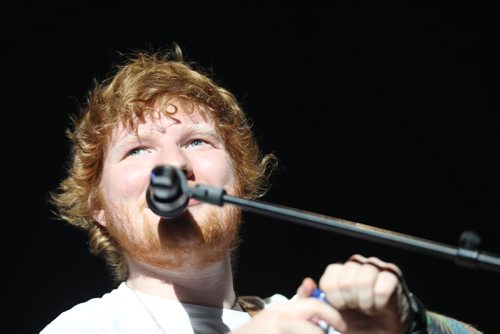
x=174, y=155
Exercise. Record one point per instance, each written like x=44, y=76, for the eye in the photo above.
x=136, y=151
x=196, y=142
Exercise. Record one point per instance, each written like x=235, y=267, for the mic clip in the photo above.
x=166, y=195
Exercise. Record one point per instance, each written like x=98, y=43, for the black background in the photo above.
x=381, y=114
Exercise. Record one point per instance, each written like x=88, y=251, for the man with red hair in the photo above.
x=174, y=275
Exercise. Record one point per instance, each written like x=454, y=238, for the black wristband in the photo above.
x=419, y=316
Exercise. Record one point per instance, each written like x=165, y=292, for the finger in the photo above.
x=347, y=283
x=358, y=258
x=329, y=283
x=367, y=276
x=382, y=265
x=298, y=326
x=325, y=312
x=272, y=320
x=310, y=309
x=387, y=266
x=386, y=285
x=306, y=288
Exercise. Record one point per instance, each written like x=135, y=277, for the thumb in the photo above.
x=306, y=288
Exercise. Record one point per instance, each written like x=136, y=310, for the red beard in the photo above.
x=180, y=243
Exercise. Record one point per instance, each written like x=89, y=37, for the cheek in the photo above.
x=127, y=184
x=217, y=172
x=229, y=174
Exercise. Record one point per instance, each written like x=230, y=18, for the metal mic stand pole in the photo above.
x=467, y=254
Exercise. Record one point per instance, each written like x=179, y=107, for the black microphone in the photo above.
x=167, y=194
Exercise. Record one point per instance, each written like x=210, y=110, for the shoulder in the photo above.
x=91, y=316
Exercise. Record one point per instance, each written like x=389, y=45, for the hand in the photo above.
x=291, y=317
x=368, y=294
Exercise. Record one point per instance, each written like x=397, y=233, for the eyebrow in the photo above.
x=124, y=143
x=203, y=128
x=133, y=137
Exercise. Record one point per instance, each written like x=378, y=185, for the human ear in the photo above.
x=99, y=217
x=96, y=208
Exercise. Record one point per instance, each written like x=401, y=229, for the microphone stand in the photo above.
x=466, y=254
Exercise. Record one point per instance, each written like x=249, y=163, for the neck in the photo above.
x=208, y=286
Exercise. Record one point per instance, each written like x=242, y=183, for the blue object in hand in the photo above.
x=319, y=294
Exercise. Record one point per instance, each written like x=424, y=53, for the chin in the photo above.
x=200, y=211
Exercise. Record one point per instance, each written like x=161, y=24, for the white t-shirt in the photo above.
x=121, y=311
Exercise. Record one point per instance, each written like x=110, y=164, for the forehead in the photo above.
x=161, y=123
x=161, y=118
